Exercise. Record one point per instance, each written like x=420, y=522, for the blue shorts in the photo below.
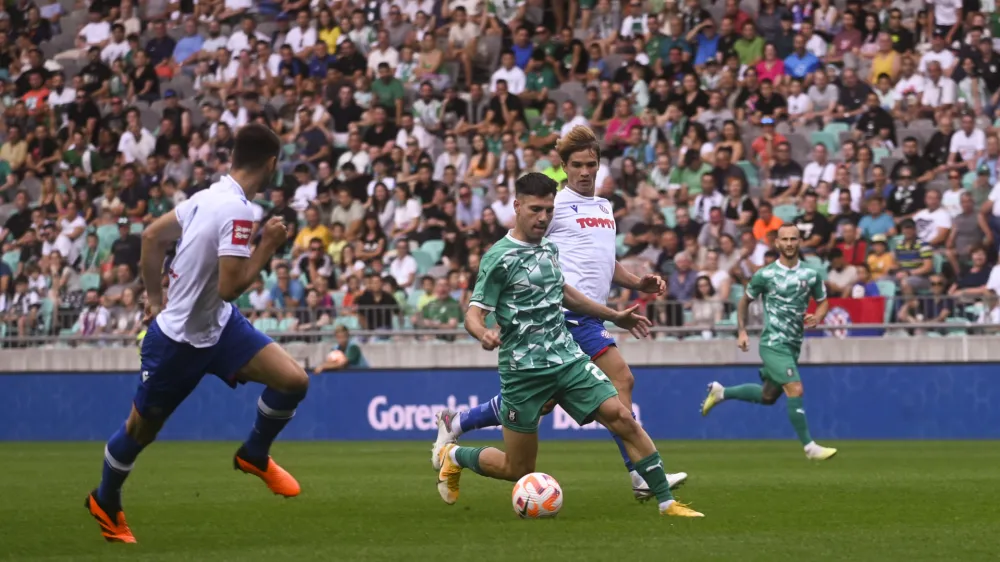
x=171, y=370
x=590, y=334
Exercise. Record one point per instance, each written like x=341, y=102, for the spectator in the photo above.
x=937, y=308
x=682, y=280
x=864, y=286
x=906, y=198
x=815, y=228
x=706, y=306
x=407, y=213
x=972, y=281
x=851, y=247
x=967, y=233
x=126, y=318
x=933, y=222
x=127, y=248
x=345, y=354
x=371, y=240
x=348, y=212
x=314, y=263
x=94, y=316
x=377, y=307
x=287, y=293
x=841, y=275
x=913, y=260
x=881, y=262
x=403, y=267
x=441, y=313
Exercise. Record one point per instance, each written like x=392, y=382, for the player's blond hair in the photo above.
x=579, y=138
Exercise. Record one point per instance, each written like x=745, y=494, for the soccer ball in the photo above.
x=537, y=495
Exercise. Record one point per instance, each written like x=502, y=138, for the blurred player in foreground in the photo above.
x=786, y=287
x=584, y=231
x=520, y=281
x=199, y=331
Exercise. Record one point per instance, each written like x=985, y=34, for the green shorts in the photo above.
x=780, y=366
x=579, y=387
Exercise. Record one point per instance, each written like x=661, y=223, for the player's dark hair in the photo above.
x=536, y=185
x=255, y=144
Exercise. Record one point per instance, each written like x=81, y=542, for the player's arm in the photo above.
x=822, y=304
x=475, y=324
x=648, y=283
x=156, y=240
x=238, y=267
x=628, y=319
x=490, y=282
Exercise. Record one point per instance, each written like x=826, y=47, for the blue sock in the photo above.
x=119, y=457
x=621, y=449
x=274, y=411
x=483, y=415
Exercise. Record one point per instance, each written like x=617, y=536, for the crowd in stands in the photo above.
x=872, y=126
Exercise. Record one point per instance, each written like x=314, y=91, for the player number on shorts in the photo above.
x=596, y=371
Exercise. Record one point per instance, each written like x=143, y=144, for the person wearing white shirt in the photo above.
x=302, y=37
x=240, y=40
x=305, y=193
x=816, y=44
x=933, y=223
x=843, y=178
x=820, y=169
x=968, y=142
x=382, y=52
x=136, y=145
x=946, y=14
x=940, y=55
x=96, y=32
x=355, y=153
x=572, y=119
x=408, y=129
x=215, y=40
x=514, y=76
x=71, y=232
x=636, y=24
x=503, y=206
x=403, y=267
x=235, y=117
x=117, y=47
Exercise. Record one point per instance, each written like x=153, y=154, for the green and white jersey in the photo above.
x=785, y=293
x=505, y=10
x=523, y=285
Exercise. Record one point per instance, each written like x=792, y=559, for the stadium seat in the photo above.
x=827, y=139
x=887, y=288
x=424, y=261
x=287, y=324
x=878, y=154
x=958, y=331
x=106, y=236
x=136, y=228
x=736, y=293
x=836, y=128
x=669, y=216
x=787, y=213
x=433, y=248
x=620, y=245
x=338, y=298
x=90, y=281
x=348, y=321
x=45, y=312
x=266, y=325
x=753, y=177
x=12, y=258
x=938, y=260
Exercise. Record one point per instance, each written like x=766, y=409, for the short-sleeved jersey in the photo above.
x=522, y=284
x=583, y=228
x=786, y=292
x=215, y=222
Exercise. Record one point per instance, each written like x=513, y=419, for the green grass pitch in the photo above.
x=884, y=501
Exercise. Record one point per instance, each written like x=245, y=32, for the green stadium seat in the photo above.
x=887, y=288
x=338, y=298
x=938, y=260
x=958, y=331
x=136, y=228
x=836, y=128
x=669, y=216
x=879, y=153
x=12, y=258
x=736, y=293
x=424, y=261
x=348, y=321
x=45, y=311
x=433, y=248
x=287, y=324
x=787, y=213
x=753, y=177
x=830, y=140
x=266, y=325
x=106, y=236
x=620, y=245
x=90, y=281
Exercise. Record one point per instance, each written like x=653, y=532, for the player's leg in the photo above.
x=754, y=393
x=170, y=371
x=797, y=417
x=520, y=412
x=610, y=361
x=452, y=424
x=586, y=394
x=248, y=355
x=286, y=385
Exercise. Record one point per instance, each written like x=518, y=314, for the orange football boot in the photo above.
x=277, y=479
x=114, y=529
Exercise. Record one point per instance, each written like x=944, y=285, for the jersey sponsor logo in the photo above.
x=606, y=334
x=591, y=222
x=241, y=232
x=603, y=210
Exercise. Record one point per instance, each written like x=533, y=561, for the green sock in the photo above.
x=797, y=415
x=651, y=470
x=745, y=393
x=468, y=457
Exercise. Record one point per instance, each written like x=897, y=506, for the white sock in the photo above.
x=456, y=425
x=665, y=505
x=451, y=454
x=810, y=446
x=637, y=480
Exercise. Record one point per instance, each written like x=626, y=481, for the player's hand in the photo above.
x=743, y=341
x=490, y=340
x=810, y=321
x=275, y=233
x=152, y=309
x=630, y=319
x=652, y=284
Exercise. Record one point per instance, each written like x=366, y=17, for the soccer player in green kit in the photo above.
x=786, y=287
x=520, y=281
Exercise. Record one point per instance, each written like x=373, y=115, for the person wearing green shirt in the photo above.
x=539, y=80
x=785, y=287
x=388, y=90
x=159, y=205
x=750, y=47
x=345, y=354
x=442, y=313
x=687, y=178
x=545, y=133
